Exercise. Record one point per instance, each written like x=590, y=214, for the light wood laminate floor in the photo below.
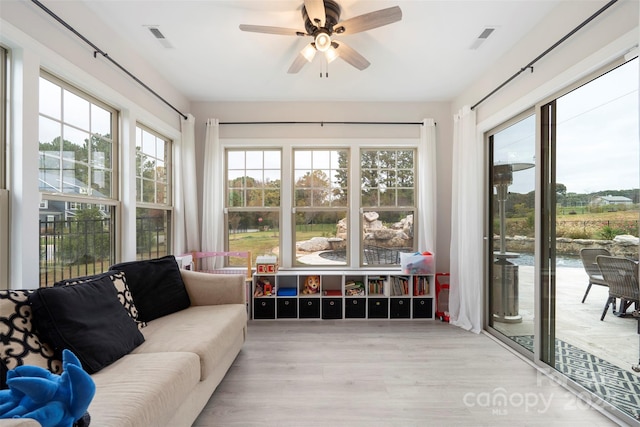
x=385, y=373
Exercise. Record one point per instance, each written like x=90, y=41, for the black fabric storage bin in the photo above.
x=378, y=308
x=287, y=308
x=423, y=308
x=264, y=308
x=332, y=308
x=309, y=308
x=400, y=308
x=355, y=308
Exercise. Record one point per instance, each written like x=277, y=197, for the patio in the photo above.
x=615, y=339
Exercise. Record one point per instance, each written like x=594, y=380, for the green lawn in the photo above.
x=263, y=242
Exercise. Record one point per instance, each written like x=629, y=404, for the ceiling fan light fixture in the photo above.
x=309, y=52
x=331, y=54
x=323, y=41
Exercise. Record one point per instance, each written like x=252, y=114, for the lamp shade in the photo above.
x=323, y=41
x=331, y=54
x=309, y=52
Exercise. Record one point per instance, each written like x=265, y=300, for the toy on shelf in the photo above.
x=268, y=288
x=311, y=285
x=264, y=288
x=266, y=264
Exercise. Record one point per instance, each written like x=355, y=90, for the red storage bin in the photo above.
x=442, y=296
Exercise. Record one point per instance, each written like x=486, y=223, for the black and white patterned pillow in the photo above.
x=120, y=282
x=20, y=344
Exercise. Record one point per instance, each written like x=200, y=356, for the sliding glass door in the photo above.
x=590, y=202
x=563, y=188
x=512, y=227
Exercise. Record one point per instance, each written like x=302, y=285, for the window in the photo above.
x=153, y=194
x=76, y=173
x=253, y=190
x=321, y=206
x=311, y=207
x=387, y=197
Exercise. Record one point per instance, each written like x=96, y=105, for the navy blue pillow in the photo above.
x=156, y=286
x=87, y=319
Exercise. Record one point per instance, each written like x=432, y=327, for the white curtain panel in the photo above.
x=212, y=195
x=427, y=186
x=187, y=196
x=465, y=295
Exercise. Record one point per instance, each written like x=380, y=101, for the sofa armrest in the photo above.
x=214, y=289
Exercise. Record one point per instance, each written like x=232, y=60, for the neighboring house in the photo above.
x=54, y=210
x=611, y=200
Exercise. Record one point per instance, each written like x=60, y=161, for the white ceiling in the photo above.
x=427, y=56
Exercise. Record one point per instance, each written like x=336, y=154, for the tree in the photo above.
x=313, y=189
x=86, y=237
x=82, y=159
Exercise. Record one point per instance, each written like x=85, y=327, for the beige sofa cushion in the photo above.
x=20, y=422
x=143, y=389
x=208, y=331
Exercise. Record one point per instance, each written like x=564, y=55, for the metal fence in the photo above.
x=152, y=236
x=72, y=248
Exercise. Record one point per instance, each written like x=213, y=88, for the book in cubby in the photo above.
x=331, y=285
x=377, y=285
x=420, y=285
x=354, y=287
x=399, y=285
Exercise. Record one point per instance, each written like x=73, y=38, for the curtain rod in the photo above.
x=321, y=123
x=543, y=54
x=106, y=55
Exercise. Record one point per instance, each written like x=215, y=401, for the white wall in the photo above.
x=36, y=41
x=608, y=36
x=340, y=112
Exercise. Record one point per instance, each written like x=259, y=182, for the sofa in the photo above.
x=170, y=373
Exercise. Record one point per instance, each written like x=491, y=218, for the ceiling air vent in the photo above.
x=484, y=35
x=160, y=37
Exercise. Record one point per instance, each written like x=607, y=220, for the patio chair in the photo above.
x=588, y=257
x=381, y=255
x=621, y=274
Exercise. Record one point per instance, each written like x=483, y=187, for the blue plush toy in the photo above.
x=52, y=400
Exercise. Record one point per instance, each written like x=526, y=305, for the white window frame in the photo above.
x=286, y=257
x=167, y=204
x=111, y=202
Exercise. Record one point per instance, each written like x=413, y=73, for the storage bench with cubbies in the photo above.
x=343, y=295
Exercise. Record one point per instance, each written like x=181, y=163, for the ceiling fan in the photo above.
x=322, y=22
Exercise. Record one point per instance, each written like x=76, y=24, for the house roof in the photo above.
x=616, y=199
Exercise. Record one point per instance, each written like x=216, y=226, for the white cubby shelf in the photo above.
x=358, y=294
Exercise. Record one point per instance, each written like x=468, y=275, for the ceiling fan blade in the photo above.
x=272, y=30
x=316, y=12
x=351, y=56
x=297, y=64
x=369, y=21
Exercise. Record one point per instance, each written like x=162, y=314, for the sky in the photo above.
x=598, y=144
